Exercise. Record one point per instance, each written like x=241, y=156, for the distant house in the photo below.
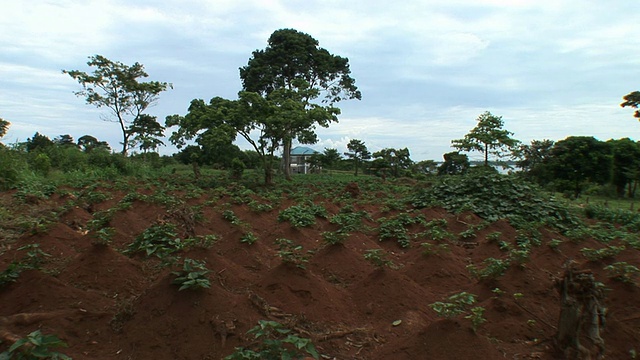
x=299, y=159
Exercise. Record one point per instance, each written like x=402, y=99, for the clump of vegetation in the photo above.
x=600, y=254
x=276, y=342
x=36, y=346
x=395, y=228
x=378, y=258
x=622, y=271
x=302, y=215
x=493, y=197
x=455, y=304
x=159, y=239
x=193, y=275
x=291, y=253
x=493, y=268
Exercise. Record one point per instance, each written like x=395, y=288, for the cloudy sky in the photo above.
x=426, y=69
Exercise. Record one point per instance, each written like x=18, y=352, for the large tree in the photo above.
x=146, y=132
x=312, y=76
x=454, y=164
x=391, y=160
x=531, y=159
x=251, y=116
x=358, y=152
x=116, y=86
x=626, y=165
x=488, y=137
x=579, y=160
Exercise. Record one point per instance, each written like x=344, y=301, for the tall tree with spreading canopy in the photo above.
x=358, y=152
x=488, y=138
x=116, y=86
x=392, y=160
x=293, y=61
x=221, y=120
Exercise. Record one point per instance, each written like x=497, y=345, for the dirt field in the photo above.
x=108, y=305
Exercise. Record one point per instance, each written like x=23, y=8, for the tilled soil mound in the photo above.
x=108, y=305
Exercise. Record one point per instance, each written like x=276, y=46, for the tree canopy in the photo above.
x=632, y=99
x=4, y=127
x=358, y=152
x=488, y=138
x=116, y=86
x=293, y=72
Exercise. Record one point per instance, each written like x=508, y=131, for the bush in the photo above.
x=277, y=342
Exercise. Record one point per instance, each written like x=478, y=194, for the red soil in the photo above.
x=108, y=305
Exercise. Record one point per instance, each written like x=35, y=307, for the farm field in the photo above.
x=364, y=268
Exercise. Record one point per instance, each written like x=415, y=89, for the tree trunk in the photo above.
x=581, y=316
x=196, y=170
x=355, y=159
x=286, y=158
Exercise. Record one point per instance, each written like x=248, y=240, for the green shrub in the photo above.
x=193, y=275
x=623, y=271
x=276, y=343
x=454, y=305
x=35, y=346
x=378, y=258
x=159, y=239
x=302, y=215
x=600, y=254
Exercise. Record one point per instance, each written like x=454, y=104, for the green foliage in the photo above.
x=302, y=215
x=476, y=317
x=277, y=343
x=494, y=197
x=231, y=217
x=335, y=237
x=34, y=258
x=115, y=86
x=193, y=275
x=249, y=238
x=488, y=137
x=159, y=239
x=358, y=152
x=454, y=305
x=623, y=271
x=600, y=254
x=395, y=228
x=290, y=253
x=629, y=220
x=378, y=257
x=431, y=249
x=493, y=268
x=454, y=164
x=10, y=274
x=35, y=346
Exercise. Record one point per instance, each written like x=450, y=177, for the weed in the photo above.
x=554, y=243
x=396, y=228
x=600, y=254
x=623, y=271
x=290, y=253
x=231, y=217
x=476, y=317
x=431, y=249
x=34, y=258
x=193, y=275
x=159, y=239
x=378, y=258
x=35, y=346
x=249, y=238
x=335, y=237
x=10, y=274
x=494, y=236
x=455, y=305
x=493, y=268
x=277, y=342
x=302, y=215
x=103, y=236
